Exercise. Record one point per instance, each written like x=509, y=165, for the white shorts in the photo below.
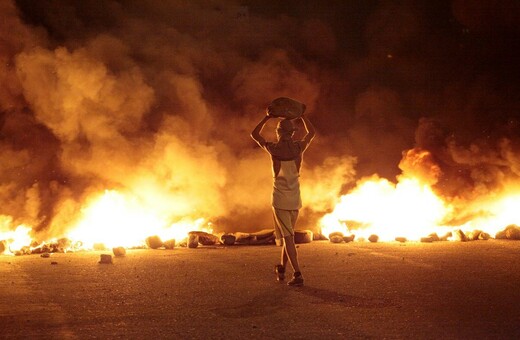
x=284, y=222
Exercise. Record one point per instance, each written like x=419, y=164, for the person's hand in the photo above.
x=268, y=112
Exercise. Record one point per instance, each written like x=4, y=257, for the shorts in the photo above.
x=284, y=222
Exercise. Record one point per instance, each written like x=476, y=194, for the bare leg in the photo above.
x=290, y=251
x=284, y=257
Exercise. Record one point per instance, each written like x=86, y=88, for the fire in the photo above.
x=494, y=213
x=377, y=206
x=412, y=209
x=14, y=240
x=117, y=220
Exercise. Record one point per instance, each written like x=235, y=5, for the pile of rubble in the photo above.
x=201, y=238
x=263, y=237
x=193, y=240
x=511, y=232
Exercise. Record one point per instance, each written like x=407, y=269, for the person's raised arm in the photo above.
x=255, y=134
x=311, y=131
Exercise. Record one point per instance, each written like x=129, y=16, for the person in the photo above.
x=286, y=156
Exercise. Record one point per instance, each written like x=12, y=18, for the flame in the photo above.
x=494, y=213
x=377, y=206
x=115, y=219
x=14, y=240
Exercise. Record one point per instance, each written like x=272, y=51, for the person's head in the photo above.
x=285, y=129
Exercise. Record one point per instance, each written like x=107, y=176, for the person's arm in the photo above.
x=256, y=134
x=311, y=132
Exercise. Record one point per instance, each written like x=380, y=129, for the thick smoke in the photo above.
x=156, y=99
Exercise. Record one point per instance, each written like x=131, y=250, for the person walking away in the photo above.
x=286, y=157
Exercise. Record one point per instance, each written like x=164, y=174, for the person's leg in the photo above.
x=279, y=269
x=284, y=258
x=291, y=252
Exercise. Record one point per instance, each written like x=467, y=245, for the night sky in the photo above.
x=138, y=94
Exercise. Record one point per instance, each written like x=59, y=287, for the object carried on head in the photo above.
x=284, y=107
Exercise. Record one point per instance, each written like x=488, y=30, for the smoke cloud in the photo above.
x=157, y=99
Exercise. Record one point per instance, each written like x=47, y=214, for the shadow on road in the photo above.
x=271, y=301
x=333, y=297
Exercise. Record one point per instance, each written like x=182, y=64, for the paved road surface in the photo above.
x=445, y=290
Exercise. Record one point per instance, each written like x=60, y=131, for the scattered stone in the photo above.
x=262, y=237
x=45, y=255
x=105, y=259
x=484, y=236
x=373, y=238
x=170, y=244
x=427, y=239
x=303, y=236
x=206, y=239
x=336, y=238
x=193, y=240
x=460, y=236
x=265, y=236
x=434, y=237
x=154, y=242
x=474, y=235
x=349, y=238
x=119, y=251
x=401, y=239
x=227, y=239
x=336, y=233
x=512, y=232
x=54, y=263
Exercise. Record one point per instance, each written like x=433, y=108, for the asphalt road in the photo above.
x=444, y=290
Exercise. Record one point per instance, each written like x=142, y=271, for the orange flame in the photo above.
x=408, y=208
x=115, y=219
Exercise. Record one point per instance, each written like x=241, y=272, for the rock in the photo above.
x=193, y=240
x=119, y=251
x=45, y=255
x=474, y=235
x=349, y=238
x=336, y=238
x=105, y=259
x=204, y=238
x=427, y=239
x=226, y=239
x=284, y=107
x=154, y=242
x=336, y=233
x=512, y=232
x=434, y=237
x=401, y=239
x=373, y=238
x=460, y=236
x=3, y=246
x=303, y=236
x=170, y=244
x=484, y=236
